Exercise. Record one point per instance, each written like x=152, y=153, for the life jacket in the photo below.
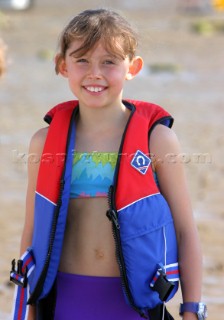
x=142, y=224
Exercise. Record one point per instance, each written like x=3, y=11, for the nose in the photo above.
x=94, y=71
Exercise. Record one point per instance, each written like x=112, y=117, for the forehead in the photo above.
x=79, y=48
x=75, y=45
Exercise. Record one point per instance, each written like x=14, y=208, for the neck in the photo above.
x=102, y=119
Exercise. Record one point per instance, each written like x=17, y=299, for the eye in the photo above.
x=109, y=62
x=82, y=60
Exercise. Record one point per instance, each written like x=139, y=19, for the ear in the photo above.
x=135, y=67
x=60, y=66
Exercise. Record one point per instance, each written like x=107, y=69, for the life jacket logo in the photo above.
x=141, y=162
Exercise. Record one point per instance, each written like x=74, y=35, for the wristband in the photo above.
x=199, y=308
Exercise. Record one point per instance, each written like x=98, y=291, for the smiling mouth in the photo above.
x=95, y=89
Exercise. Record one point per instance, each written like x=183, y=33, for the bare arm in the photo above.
x=36, y=148
x=164, y=145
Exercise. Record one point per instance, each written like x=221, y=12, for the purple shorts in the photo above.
x=91, y=298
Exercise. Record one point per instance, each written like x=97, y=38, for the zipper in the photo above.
x=112, y=215
x=39, y=286
x=37, y=291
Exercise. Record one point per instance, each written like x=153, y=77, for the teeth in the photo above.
x=94, y=89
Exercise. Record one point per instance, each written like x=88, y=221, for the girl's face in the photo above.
x=96, y=78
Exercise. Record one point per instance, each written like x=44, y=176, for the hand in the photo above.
x=31, y=313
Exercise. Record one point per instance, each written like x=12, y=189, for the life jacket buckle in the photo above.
x=161, y=284
x=19, y=276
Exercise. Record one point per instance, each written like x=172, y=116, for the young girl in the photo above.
x=97, y=56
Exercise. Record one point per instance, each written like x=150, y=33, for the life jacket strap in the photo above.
x=163, y=280
x=160, y=312
x=19, y=275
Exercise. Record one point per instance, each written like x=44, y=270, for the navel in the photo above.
x=99, y=254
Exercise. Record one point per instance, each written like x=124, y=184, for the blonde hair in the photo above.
x=91, y=26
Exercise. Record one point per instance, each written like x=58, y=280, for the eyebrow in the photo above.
x=73, y=53
x=107, y=55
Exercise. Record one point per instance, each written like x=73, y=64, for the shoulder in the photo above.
x=35, y=151
x=164, y=137
x=38, y=140
x=163, y=143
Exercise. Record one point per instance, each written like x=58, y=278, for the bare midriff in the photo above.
x=89, y=247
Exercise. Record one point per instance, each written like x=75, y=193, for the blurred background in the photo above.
x=182, y=43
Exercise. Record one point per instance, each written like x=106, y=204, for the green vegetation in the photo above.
x=164, y=67
x=207, y=27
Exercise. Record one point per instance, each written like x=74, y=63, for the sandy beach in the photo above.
x=184, y=72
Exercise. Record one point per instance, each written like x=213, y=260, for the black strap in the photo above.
x=45, y=308
x=163, y=286
x=157, y=313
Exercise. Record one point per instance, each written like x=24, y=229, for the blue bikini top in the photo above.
x=92, y=174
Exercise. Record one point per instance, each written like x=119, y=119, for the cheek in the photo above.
x=74, y=73
x=117, y=76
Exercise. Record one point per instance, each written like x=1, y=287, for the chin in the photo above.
x=94, y=104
